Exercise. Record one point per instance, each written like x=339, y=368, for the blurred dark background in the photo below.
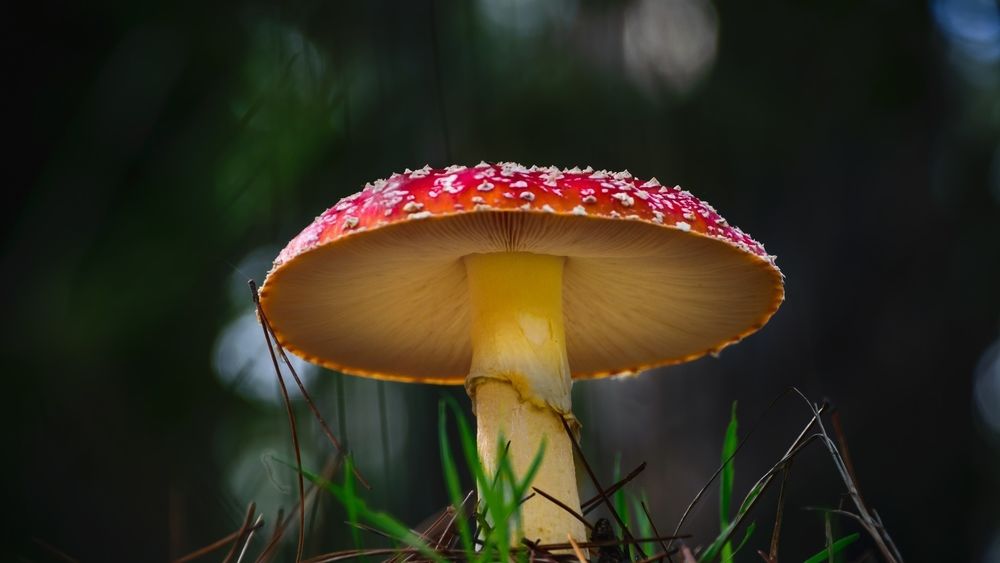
x=161, y=153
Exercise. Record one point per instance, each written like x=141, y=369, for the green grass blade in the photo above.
x=491, y=493
x=621, y=504
x=387, y=524
x=501, y=493
x=504, y=505
x=351, y=501
x=452, y=481
x=746, y=537
x=468, y=442
x=712, y=551
x=834, y=548
x=645, y=526
x=729, y=444
x=505, y=480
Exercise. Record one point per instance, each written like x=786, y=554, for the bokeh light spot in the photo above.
x=672, y=43
x=528, y=18
x=987, y=387
x=242, y=362
x=971, y=26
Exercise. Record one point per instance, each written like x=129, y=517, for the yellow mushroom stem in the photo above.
x=520, y=381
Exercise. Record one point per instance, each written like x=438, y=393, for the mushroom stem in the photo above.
x=520, y=381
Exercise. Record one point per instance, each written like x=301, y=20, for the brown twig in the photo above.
x=244, y=529
x=838, y=431
x=282, y=524
x=837, y=511
x=888, y=539
x=576, y=548
x=762, y=484
x=246, y=544
x=645, y=510
x=279, y=529
x=534, y=548
x=459, y=554
x=563, y=506
x=595, y=501
x=739, y=446
x=613, y=543
x=265, y=326
x=765, y=481
x=446, y=532
x=367, y=528
x=428, y=531
x=217, y=544
x=871, y=524
x=455, y=512
x=772, y=556
x=600, y=490
x=302, y=388
x=655, y=557
x=352, y=553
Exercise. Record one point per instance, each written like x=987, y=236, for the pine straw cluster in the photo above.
x=466, y=531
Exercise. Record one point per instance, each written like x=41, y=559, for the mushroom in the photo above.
x=516, y=281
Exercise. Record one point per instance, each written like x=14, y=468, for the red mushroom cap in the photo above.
x=654, y=276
